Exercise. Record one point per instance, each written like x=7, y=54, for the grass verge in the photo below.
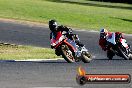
x=8, y=52
x=83, y=14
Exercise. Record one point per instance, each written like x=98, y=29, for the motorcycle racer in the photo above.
x=67, y=44
x=54, y=27
x=114, y=43
x=104, y=34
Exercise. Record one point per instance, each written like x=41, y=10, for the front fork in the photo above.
x=80, y=51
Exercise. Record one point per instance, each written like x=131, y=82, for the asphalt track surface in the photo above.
x=57, y=73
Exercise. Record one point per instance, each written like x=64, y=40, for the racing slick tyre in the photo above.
x=123, y=53
x=130, y=56
x=110, y=55
x=86, y=57
x=67, y=54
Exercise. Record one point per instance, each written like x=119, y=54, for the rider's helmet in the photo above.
x=103, y=33
x=53, y=25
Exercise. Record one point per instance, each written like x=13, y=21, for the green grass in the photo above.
x=8, y=52
x=83, y=14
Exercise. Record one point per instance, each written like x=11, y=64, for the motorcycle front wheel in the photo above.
x=67, y=54
x=86, y=57
x=123, y=53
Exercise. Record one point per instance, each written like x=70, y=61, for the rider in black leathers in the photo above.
x=53, y=26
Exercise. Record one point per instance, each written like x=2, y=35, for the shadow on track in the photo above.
x=109, y=60
x=13, y=61
x=52, y=62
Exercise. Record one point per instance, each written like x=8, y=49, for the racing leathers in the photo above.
x=103, y=42
x=68, y=33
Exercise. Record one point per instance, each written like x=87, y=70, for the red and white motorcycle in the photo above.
x=118, y=45
x=69, y=50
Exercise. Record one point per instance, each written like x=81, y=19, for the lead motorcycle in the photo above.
x=69, y=49
x=118, y=46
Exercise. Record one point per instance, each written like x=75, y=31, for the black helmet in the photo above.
x=53, y=25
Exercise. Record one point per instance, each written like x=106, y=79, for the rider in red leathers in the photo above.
x=103, y=35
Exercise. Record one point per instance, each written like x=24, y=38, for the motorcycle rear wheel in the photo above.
x=67, y=54
x=110, y=55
